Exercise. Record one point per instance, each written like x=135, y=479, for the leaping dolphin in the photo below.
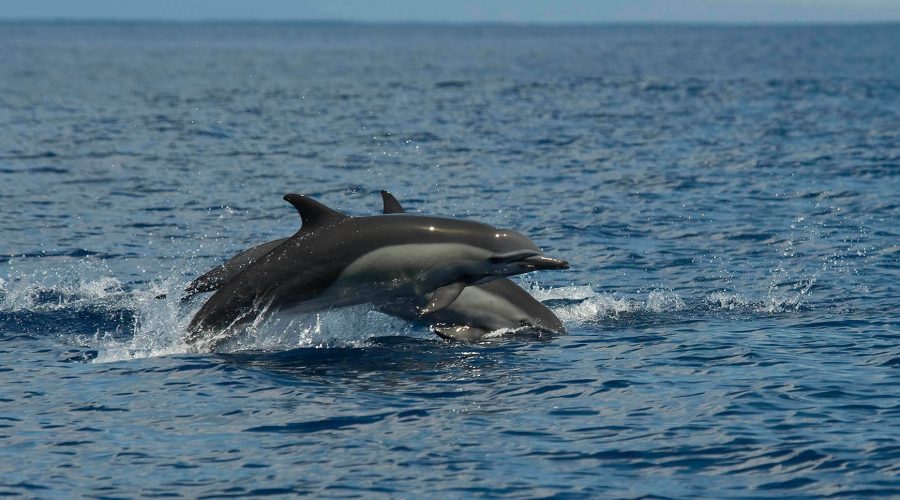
x=479, y=309
x=336, y=260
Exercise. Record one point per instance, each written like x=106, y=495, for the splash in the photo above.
x=156, y=330
x=134, y=323
x=118, y=323
x=344, y=327
x=71, y=286
x=160, y=326
x=582, y=305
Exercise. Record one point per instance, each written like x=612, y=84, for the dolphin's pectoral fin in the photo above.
x=443, y=297
x=460, y=332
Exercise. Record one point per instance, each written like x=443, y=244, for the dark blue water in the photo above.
x=728, y=199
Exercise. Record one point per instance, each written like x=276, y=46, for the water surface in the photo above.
x=727, y=197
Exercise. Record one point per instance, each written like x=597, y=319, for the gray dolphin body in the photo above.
x=479, y=309
x=336, y=260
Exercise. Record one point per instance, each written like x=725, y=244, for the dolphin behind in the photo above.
x=482, y=309
x=479, y=309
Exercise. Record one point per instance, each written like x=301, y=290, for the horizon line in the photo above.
x=338, y=21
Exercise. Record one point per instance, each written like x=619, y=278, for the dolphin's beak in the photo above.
x=537, y=262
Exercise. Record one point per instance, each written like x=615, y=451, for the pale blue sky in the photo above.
x=521, y=11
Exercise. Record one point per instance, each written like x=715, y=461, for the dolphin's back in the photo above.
x=219, y=275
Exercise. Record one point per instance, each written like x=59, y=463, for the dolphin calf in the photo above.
x=479, y=309
x=336, y=260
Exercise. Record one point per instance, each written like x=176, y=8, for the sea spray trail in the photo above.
x=726, y=197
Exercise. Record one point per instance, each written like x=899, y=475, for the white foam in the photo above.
x=587, y=305
x=595, y=308
x=59, y=289
x=774, y=302
x=727, y=301
x=161, y=324
x=344, y=327
x=664, y=301
x=158, y=328
x=566, y=292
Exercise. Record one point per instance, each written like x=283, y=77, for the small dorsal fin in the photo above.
x=313, y=213
x=391, y=205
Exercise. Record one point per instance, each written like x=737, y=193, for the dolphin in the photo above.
x=479, y=309
x=335, y=260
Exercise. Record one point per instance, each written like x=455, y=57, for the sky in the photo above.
x=455, y=11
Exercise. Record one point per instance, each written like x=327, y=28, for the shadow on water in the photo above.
x=388, y=356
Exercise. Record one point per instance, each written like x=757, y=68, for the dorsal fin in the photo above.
x=391, y=205
x=312, y=213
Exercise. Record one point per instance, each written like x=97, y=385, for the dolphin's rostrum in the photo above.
x=335, y=260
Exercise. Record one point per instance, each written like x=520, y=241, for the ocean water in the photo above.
x=727, y=197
